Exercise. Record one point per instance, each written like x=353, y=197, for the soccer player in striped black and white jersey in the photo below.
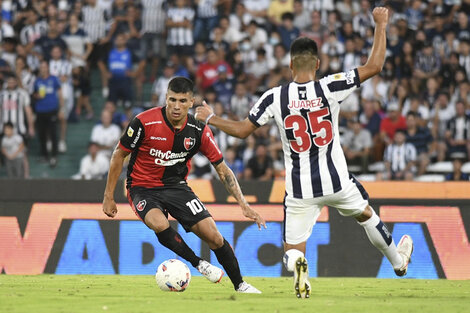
x=306, y=113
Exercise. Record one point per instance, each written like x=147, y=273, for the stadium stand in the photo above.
x=236, y=51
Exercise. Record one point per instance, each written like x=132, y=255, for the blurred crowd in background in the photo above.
x=415, y=113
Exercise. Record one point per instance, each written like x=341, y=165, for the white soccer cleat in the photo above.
x=245, y=287
x=405, y=249
x=209, y=271
x=301, y=284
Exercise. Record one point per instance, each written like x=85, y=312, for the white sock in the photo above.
x=381, y=238
x=290, y=257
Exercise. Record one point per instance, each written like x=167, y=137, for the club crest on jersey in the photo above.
x=130, y=132
x=189, y=143
x=141, y=205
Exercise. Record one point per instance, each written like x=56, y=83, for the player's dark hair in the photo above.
x=303, y=45
x=181, y=84
x=304, y=54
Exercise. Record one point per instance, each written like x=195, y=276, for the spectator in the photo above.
x=347, y=9
x=152, y=42
x=256, y=35
x=94, y=165
x=260, y=166
x=393, y=121
x=48, y=105
x=62, y=69
x=224, y=85
x=464, y=59
x=230, y=33
x=448, y=70
x=257, y=10
x=241, y=102
x=117, y=117
x=78, y=42
x=206, y=20
x=34, y=29
x=235, y=164
x=106, y=134
x=46, y=42
x=421, y=139
x=24, y=76
x=179, y=23
x=287, y=30
x=462, y=27
x=458, y=133
x=277, y=9
x=258, y=71
x=363, y=19
x=301, y=16
x=121, y=73
x=357, y=142
x=95, y=19
x=414, y=15
x=12, y=149
x=207, y=73
x=160, y=86
x=317, y=31
x=399, y=159
x=457, y=174
x=428, y=63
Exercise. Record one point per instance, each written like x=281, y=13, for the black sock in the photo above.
x=229, y=261
x=173, y=241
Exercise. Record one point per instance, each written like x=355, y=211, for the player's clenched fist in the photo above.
x=109, y=207
x=380, y=15
x=203, y=111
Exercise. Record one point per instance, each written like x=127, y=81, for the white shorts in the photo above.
x=301, y=214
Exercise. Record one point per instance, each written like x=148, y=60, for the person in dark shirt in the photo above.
x=260, y=166
x=161, y=142
x=421, y=138
x=457, y=173
x=45, y=43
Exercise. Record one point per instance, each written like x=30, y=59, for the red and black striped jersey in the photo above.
x=160, y=154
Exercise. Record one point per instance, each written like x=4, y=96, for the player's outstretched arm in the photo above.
x=231, y=184
x=115, y=167
x=239, y=129
x=376, y=58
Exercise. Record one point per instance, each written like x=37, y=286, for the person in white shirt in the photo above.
x=94, y=165
x=106, y=134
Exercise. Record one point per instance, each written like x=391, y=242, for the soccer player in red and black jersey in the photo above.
x=162, y=142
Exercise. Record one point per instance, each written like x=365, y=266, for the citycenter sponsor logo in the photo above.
x=305, y=104
x=167, y=158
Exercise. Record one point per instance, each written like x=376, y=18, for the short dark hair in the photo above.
x=181, y=84
x=8, y=124
x=303, y=45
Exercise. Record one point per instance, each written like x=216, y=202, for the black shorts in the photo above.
x=120, y=90
x=179, y=201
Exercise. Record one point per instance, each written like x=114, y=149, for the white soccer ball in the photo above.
x=173, y=275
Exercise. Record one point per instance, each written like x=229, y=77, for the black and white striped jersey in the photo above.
x=207, y=8
x=27, y=81
x=153, y=16
x=399, y=156
x=12, y=109
x=94, y=22
x=180, y=36
x=60, y=68
x=307, y=117
x=31, y=33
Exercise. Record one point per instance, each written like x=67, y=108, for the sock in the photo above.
x=381, y=238
x=290, y=257
x=173, y=241
x=229, y=261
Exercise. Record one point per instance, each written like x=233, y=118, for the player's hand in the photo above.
x=380, y=15
x=109, y=207
x=252, y=214
x=203, y=111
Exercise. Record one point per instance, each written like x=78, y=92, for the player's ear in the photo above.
x=318, y=64
x=290, y=65
x=191, y=102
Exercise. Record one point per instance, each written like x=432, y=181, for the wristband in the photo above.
x=209, y=117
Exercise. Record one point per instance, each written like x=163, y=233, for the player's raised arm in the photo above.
x=376, y=58
x=239, y=129
x=231, y=184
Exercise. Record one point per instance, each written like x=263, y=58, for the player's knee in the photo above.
x=216, y=240
x=365, y=215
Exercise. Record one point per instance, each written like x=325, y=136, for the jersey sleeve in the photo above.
x=341, y=85
x=132, y=136
x=209, y=148
x=262, y=111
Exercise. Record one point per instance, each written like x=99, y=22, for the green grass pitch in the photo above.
x=134, y=294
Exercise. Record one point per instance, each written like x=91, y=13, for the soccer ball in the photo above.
x=173, y=275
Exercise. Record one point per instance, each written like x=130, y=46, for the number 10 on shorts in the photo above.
x=195, y=206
